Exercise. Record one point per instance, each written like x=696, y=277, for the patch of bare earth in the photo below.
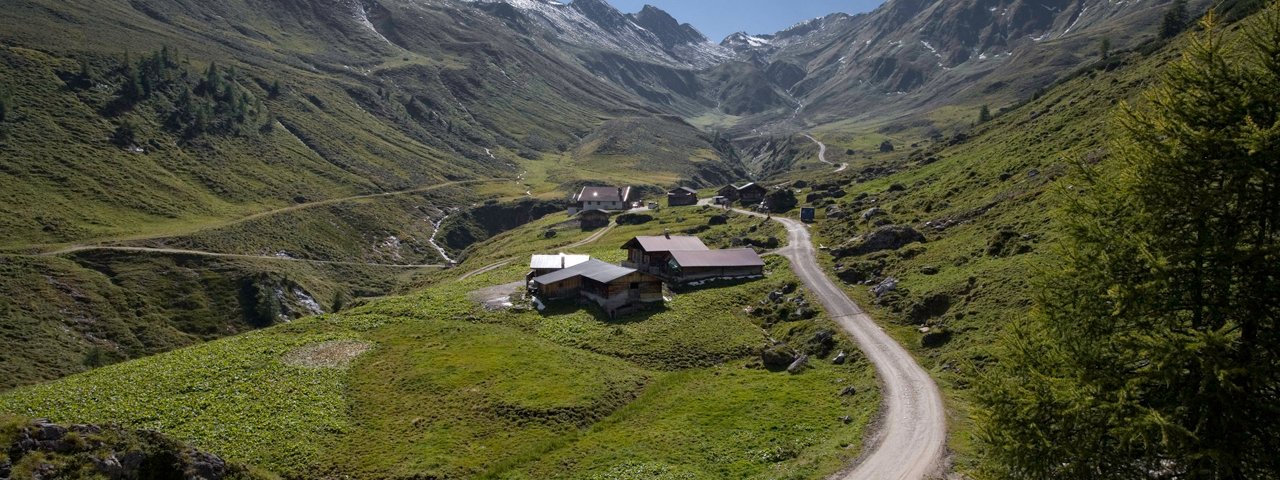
x=337, y=354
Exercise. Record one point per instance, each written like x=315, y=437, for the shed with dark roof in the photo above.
x=688, y=266
x=615, y=289
x=683, y=196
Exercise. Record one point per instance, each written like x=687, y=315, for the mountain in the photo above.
x=909, y=56
x=248, y=143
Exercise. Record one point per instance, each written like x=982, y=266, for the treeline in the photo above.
x=222, y=100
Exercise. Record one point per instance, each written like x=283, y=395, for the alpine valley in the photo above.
x=290, y=238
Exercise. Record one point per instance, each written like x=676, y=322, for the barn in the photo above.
x=615, y=289
x=751, y=193
x=688, y=266
x=682, y=197
x=650, y=254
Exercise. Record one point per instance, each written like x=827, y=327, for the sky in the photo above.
x=719, y=18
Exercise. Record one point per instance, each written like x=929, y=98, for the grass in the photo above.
x=984, y=204
x=450, y=389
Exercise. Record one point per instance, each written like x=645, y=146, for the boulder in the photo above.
x=888, y=285
x=840, y=359
x=848, y=391
x=798, y=364
x=821, y=343
x=872, y=213
x=931, y=306
x=835, y=212
x=891, y=237
x=929, y=270
x=777, y=356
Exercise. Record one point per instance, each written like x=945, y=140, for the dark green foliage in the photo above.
x=781, y=200
x=886, y=146
x=1104, y=48
x=126, y=133
x=984, y=115
x=1154, y=350
x=1175, y=19
x=6, y=102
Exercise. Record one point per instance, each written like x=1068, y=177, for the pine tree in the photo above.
x=275, y=89
x=1154, y=350
x=984, y=115
x=132, y=88
x=6, y=103
x=1175, y=19
x=125, y=134
x=1104, y=48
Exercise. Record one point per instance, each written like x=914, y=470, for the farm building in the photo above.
x=751, y=193
x=683, y=196
x=687, y=266
x=593, y=218
x=540, y=265
x=615, y=289
x=650, y=254
x=729, y=192
x=602, y=198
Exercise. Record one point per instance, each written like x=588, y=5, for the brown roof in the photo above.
x=666, y=243
x=603, y=194
x=738, y=257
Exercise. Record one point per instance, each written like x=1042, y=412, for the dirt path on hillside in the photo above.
x=179, y=251
x=268, y=213
x=911, y=441
x=822, y=154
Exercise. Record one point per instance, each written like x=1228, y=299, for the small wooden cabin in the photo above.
x=540, y=265
x=751, y=193
x=615, y=289
x=682, y=197
x=729, y=192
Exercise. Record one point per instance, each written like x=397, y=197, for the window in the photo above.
x=635, y=285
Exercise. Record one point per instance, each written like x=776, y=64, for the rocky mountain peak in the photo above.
x=668, y=30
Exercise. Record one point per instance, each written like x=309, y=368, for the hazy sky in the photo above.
x=719, y=18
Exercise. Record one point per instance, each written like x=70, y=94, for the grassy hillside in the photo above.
x=433, y=384
x=983, y=200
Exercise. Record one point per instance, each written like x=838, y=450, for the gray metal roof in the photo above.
x=603, y=194
x=667, y=243
x=684, y=190
x=599, y=271
x=563, y=260
x=737, y=257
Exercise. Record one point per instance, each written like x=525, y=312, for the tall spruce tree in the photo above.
x=1154, y=351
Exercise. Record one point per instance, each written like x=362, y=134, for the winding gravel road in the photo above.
x=912, y=435
x=822, y=154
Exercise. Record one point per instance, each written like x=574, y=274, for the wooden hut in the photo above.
x=650, y=254
x=615, y=289
x=682, y=197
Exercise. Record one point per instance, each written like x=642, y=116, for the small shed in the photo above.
x=650, y=254
x=681, y=197
x=615, y=289
x=729, y=192
x=593, y=219
x=688, y=266
x=751, y=193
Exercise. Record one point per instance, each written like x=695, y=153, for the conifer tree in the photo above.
x=1175, y=19
x=1155, y=348
x=6, y=102
x=984, y=115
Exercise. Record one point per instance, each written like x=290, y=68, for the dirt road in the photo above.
x=178, y=251
x=64, y=248
x=913, y=432
x=822, y=154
